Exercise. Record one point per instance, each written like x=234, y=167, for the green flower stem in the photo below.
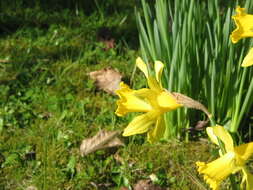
x=235, y=123
x=213, y=122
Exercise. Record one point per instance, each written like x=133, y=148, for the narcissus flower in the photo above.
x=248, y=60
x=153, y=101
x=244, y=24
x=230, y=162
x=244, y=28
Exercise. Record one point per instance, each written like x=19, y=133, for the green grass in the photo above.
x=48, y=105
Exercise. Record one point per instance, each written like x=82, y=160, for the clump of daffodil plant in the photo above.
x=244, y=29
x=232, y=159
x=153, y=101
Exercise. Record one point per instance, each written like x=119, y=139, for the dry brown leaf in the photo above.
x=31, y=188
x=118, y=158
x=147, y=185
x=107, y=79
x=201, y=125
x=190, y=103
x=4, y=61
x=123, y=188
x=103, y=139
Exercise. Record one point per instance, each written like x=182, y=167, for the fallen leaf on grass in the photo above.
x=4, y=61
x=101, y=185
x=118, y=158
x=147, y=185
x=107, y=79
x=103, y=139
x=31, y=188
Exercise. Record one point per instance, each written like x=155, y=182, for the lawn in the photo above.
x=49, y=103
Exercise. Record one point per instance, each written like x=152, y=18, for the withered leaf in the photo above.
x=103, y=139
x=201, y=125
x=4, y=60
x=107, y=79
x=31, y=188
x=190, y=103
x=118, y=158
x=147, y=185
x=123, y=188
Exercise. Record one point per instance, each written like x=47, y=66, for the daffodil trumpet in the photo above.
x=231, y=161
x=244, y=29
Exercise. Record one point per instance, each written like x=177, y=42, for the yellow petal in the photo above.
x=130, y=101
x=140, y=124
x=167, y=102
x=244, y=151
x=154, y=85
x=211, y=135
x=225, y=137
x=158, y=131
x=216, y=171
x=244, y=24
x=248, y=59
x=214, y=184
x=158, y=70
x=247, y=180
x=142, y=66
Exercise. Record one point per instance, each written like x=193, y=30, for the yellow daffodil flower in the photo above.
x=230, y=162
x=248, y=60
x=153, y=101
x=244, y=24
